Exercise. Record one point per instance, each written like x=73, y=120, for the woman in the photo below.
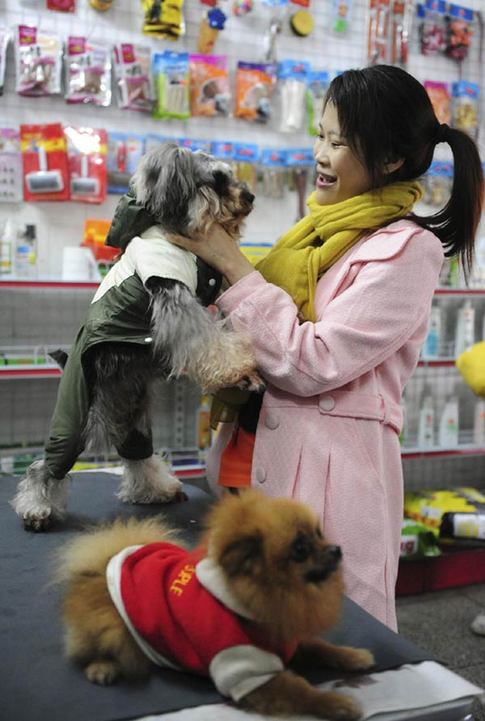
x=337, y=313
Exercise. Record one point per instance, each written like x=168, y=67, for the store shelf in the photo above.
x=9, y=372
x=442, y=452
x=436, y=363
x=47, y=284
x=460, y=291
x=453, y=569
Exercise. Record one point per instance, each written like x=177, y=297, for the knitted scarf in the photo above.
x=311, y=247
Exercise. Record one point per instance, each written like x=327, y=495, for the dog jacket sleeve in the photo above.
x=183, y=625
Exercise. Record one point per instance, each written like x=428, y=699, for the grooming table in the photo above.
x=38, y=684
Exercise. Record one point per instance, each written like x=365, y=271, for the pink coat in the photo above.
x=328, y=433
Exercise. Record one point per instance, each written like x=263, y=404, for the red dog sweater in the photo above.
x=182, y=615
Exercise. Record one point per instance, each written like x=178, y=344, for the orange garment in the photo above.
x=237, y=459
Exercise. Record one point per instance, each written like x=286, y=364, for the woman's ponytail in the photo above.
x=456, y=224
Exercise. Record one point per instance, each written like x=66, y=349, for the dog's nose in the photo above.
x=335, y=552
x=247, y=196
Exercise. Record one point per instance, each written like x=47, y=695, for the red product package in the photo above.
x=86, y=148
x=62, y=6
x=44, y=157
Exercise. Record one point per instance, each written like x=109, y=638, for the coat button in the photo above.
x=327, y=403
x=148, y=340
x=271, y=421
x=260, y=475
x=212, y=282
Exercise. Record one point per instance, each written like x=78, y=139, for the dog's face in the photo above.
x=188, y=192
x=277, y=563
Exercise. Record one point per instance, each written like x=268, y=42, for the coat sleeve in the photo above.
x=360, y=328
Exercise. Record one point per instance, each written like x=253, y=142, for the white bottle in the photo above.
x=426, y=423
x=479, y=424
x=448, y=429
x=465, y=328
x=432, y=344
x=8, y=240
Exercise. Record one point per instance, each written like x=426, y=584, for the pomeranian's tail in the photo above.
x=89, y=553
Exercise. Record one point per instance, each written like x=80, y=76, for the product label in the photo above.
x=469, y=525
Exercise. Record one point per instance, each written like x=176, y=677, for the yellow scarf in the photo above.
x=317, y=241
x=311, y=247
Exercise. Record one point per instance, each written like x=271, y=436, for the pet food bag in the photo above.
x=209, y=85
x=38, y=61
x=254, y=87
x=88, y=72
x=132, y=65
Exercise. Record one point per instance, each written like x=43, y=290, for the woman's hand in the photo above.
x=218, y=250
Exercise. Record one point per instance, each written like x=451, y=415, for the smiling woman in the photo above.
x=337, y=313
x=340, y=173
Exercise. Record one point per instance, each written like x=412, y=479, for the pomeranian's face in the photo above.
x=277, y=562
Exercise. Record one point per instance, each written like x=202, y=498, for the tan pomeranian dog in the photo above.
x=251, y=598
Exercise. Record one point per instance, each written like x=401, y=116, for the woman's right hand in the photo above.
x=219, y=250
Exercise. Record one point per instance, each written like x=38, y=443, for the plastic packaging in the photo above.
x=172, y=85
x=132, y=65
x=449, y=424
x=210, y=93
x=426, y=423
x=45, y=165
x=465, y=328
x=432, y=27
x=293, y=82
x=4, y=40
x=86, y=148
x=124, y=153
x=254, y=86
x=317, y=87
x=163, y=19
x=10, y=166
x=341, y=15
x=439, y=95
x=88, y=72
x=465, y=106
x=458, y=32
x=38, y=61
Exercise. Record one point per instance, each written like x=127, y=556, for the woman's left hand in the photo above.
x=218, y=250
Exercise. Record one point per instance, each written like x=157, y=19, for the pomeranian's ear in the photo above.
x=238, y=557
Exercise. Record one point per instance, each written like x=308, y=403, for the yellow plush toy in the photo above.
x=471, y=364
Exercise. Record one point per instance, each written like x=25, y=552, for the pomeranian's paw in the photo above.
x=252, y=382
x=102, y=672
x=343, y=708
x=355, y=659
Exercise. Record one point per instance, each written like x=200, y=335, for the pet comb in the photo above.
x=84, y=184
x=44, y=180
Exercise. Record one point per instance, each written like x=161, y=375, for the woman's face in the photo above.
x=340, y=173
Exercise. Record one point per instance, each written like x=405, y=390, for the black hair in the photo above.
x=386, y=115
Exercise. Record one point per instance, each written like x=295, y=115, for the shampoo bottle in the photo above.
x=479, y=423
x=426, y=423
x=448, y=430
x=465, y=328
x=431, y=347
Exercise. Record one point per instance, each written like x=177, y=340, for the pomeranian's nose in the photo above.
x=335, y=552
x=247, y=196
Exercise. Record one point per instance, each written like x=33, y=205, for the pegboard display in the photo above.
x=244, y=38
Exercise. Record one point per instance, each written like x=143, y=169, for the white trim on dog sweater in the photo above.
x=148, y=255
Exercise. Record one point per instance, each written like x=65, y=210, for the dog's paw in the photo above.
x=252, y=382
x=38, y=523
x=103, y=673
x=338, y=706
x=355, y=659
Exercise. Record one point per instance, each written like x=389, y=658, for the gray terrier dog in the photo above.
x=147, y=321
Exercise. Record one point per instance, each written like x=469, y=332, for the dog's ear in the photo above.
x=221, y=182
x=238, y=557
x=164, y=184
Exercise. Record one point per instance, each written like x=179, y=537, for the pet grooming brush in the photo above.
x=44, y=180
x=84, y=184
